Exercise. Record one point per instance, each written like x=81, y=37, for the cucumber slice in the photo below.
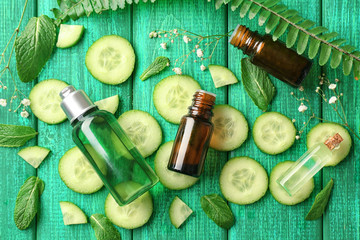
x=280, y=194
x=273, y=133
x=110, y=59
x=45, y=101
x=222, y=76
x=173, y=95
x=243, y=180
x=143, y=130
x=69, y=35
x=322, y=131
x=179, y=212
x=77, y=173
x=34, y=155
x=132, y=215
x=230, y=128
x=170, y=179
x=109, y=104
x=72, y=214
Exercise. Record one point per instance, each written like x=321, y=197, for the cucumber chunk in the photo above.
x=243, y=180
x=110, y=59
x=77, y=173
x=72, y=214
x=45, y=101
x=34, y=155
x=280, y=194
x=222, y=76
x=69, y=35
x=179, y=212
x=173, y=95
x=170, y=179
x=230, y=128
x=143, y=130
x=322, y=131
x=109, y=104
x=132, y=215
x=273, y=133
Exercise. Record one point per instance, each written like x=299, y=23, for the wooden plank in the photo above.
x=268, y=219
x=68, y=65
x=199, y=17
x=13, y=170
x=342, y=218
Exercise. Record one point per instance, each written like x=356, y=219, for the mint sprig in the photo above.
x=15, y=136
x=103, y=228
x=155, y=67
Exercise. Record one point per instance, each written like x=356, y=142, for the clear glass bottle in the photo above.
x=311, y=162
x=106, y=146
x=272, y=56
x=193, y=136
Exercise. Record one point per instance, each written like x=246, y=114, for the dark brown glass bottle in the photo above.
x=193, y=136
x=272, y=56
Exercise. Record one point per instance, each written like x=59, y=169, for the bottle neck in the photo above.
x=249, y=42
x=82, y=116
x=202, y=105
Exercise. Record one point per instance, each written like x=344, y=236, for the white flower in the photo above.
x=332, y=86
x=177, y=70
x=25, y=102
x=163, y=45
x=172, y=41
x=302, y=108
x=297, y=137
x=151, y=34
x=317, y=89
x=199, y=53
x=3, y=102
x=301, y=88
x=24, y=114
x=5, y=87
x=202, y=67
x=332, y=100
x=186, y=39
x=197, y=46
x=165, y=35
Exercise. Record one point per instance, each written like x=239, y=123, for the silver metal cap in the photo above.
x=75, y=102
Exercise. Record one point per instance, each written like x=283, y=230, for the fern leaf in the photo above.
x=264, y=15
x=226, y=1
x=326, y=50
x=271, y=24
x=347, y=60
x=254, y=9
x=235, y=4
x=356, y=66
x=336, y=56
x=218, y=4
x=245, y=8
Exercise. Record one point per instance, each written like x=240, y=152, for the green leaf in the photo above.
x=302, y=42
x=103, y=228
x=257, y=84
x=245, y=8
x=356, y=66
x=34, y=47
x=264, y=15
x=218, y=4
x=291, y=36
x=320, y=203
x=280, y=29
x=324, y=54
x=217, y=210
x=27, y=202
x=271, y=24
x=155, y=67
x=254, y=9
x=15, y=136
x=235, y=4
x=347, y=61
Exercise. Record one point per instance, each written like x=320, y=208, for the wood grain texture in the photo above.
x=342, y=218
x=13, y=169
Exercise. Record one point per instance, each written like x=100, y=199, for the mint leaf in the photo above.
x=257, y=84
x=27, y=202
x=217, y=210
x=34, y=47
x=15, y=136
x=104, y=229
x=321, y=201
x=155, y=67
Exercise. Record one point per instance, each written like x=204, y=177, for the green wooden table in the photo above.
x=265, y=219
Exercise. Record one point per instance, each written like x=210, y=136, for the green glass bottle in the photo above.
x=107, y=147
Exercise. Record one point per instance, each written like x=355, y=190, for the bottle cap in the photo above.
x=334, y=141
x=75, y=102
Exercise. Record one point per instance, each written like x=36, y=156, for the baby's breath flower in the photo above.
x=332, y=86
x=321, y=82
x=197, y=46
x=165, y=35
x=341, y=94
x=332, y=100
x=26, y=102
x=199, y=53
x=24, y=114
x=151, y=34
x=301, y=88
x=337, y=80
x=155, y=34
x=297, y=137
x=3, y=102
x=177, y=70
x=186, y=39
x=293, y=120
x=163, y=45
x=4, y=87
x=317, y=89
x=175, y=31
x=302, y=108
x=202, y=67
x=172, y=41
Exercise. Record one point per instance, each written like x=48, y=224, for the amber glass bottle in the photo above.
x=193, y=136
x=272, y=56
